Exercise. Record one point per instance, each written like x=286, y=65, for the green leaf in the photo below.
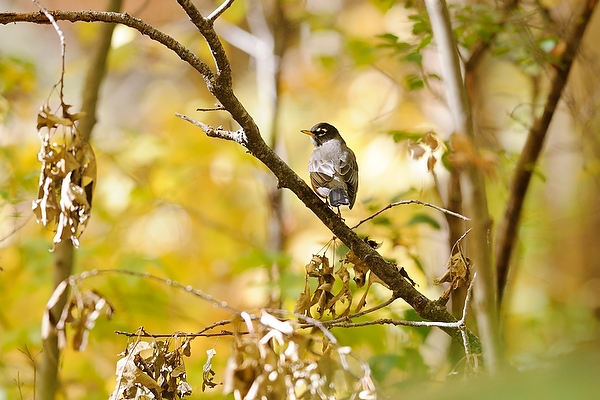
x=401, y=135
x=414, y=57
x=414, y=82
x=424, y=219
x=362, y=52
x=383, y=5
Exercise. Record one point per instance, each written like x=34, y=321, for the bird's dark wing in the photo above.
x=349, y=173
x=320, y=180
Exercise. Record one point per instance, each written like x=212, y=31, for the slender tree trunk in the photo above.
x=48, y=382
x=480, y=237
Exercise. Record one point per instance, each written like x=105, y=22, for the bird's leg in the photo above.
x=340, y=213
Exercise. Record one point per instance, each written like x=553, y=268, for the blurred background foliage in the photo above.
x=174, y=203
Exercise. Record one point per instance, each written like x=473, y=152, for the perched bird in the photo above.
x=332, y=167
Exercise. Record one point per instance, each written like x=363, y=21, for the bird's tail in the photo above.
x=338, y=197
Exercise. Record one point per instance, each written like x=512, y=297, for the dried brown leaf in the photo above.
x=458, y=274
x=303, y=303
x=431, y=161
x=416, y=150
x=431, y=141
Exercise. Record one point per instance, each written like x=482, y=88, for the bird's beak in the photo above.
x=307, y=132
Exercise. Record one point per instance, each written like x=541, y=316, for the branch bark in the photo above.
x=507, y=233
x=220, y=85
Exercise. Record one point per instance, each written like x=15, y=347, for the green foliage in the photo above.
x=426, y=219
x=361, y=51
x=474, y=23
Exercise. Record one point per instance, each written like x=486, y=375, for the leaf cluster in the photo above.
x=67, y=177
x=160, y=375
x=274, y=361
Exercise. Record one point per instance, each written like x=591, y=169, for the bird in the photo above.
x=332, y=167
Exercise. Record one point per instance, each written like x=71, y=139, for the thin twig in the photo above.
x=73, y=279
x=168, y=335
x=459, y=240
x=63, y=47
x=220, y=10
x=348, y=318
x=237, y=136
x=215, y=108
x=125, y=19
x=460, y=324
x=403, y=202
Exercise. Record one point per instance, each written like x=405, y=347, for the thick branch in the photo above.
x=205, y=26
x=533, y=147
x=221, y=88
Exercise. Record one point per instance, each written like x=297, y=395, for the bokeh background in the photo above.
x=174, y=203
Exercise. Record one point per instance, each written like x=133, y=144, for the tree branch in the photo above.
x=220, y=133
x=221, y=88
x=403, y=202
x=121, y=18
x=533, y=146
x=220, y=10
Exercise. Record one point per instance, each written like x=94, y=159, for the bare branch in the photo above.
x=63, y=47
x=125, y=19
x=217, y=107
x=220, y=10
x=205, y=27
x=533, y=147
x=403, y=202
x=238, y=136
x=460, y=324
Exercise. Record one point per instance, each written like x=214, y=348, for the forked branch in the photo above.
x=220, y=85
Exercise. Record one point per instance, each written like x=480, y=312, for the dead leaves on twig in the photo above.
x=161, y=374
x=274, y=361
x=67, y=177
x=324, y=295
x=426, y=145
x=458, y=274
x=81, y=312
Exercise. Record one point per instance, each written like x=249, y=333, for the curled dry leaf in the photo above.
x=80, y=312
x=159, y=375
x=360, y=267
x=67, y=177
x=208, y=375
x=323, y=296
x=319, y=268
x=458, y=274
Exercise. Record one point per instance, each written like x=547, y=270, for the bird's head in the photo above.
x=321, y=133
